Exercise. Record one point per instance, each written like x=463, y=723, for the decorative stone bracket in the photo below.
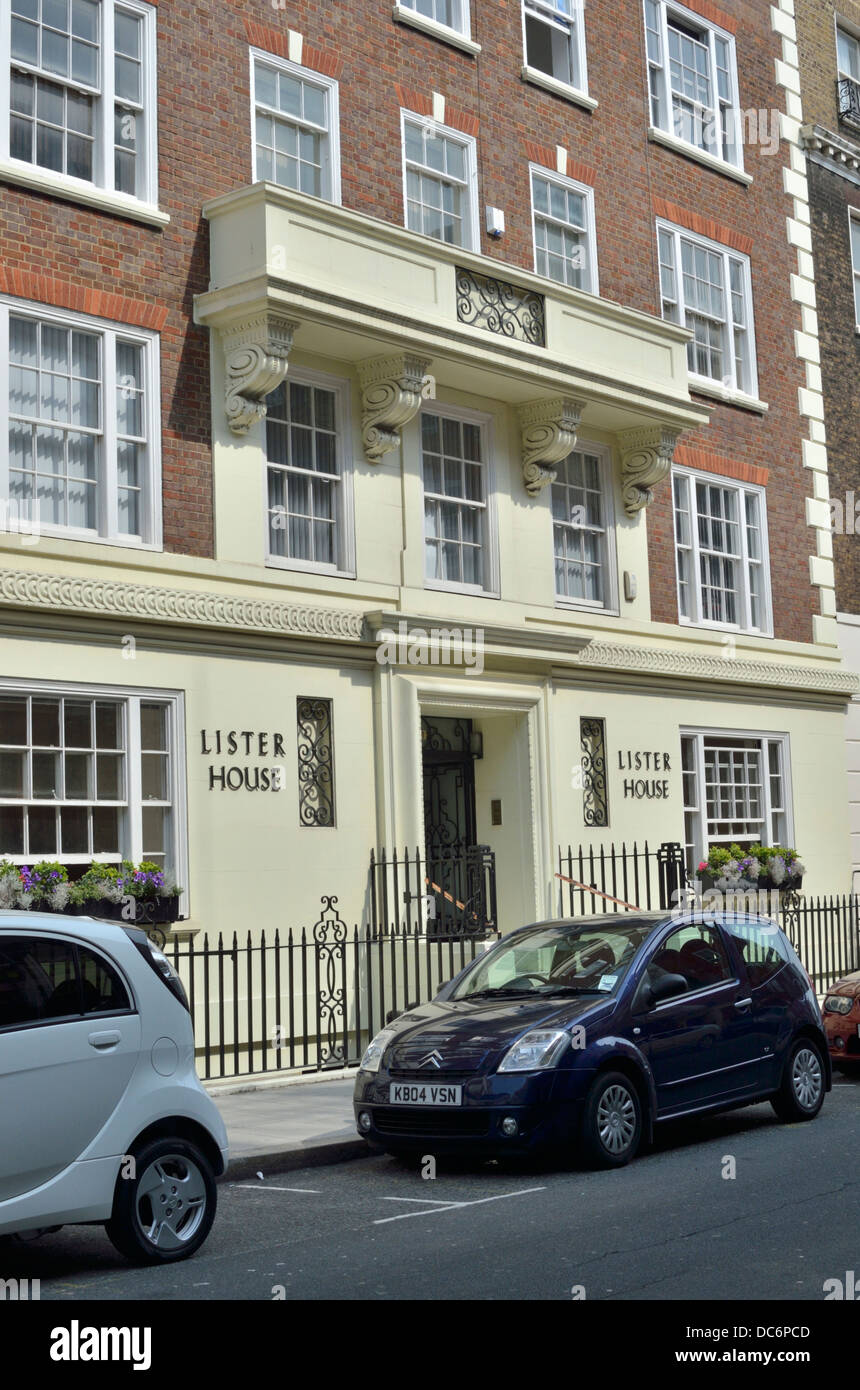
x=256, y=351
x=646, y=459
x=549, y=433
x=392, y=389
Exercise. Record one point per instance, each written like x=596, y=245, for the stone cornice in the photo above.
x=837, y=152
x=740, y=670
x=107, y=598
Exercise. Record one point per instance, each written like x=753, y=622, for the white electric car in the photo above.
x=102, y=1117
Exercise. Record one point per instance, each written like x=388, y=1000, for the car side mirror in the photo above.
x=667, y=987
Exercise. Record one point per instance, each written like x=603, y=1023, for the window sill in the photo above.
x=402, y=15
x=673, y=142
x=277, y=562
x=726, y=629
x=55, y=533
x=78, y=191
x=440, y=587
x=598, y=609
x=703, y=387
x=559, y=89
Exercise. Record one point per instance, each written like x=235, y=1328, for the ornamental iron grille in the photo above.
x=500, y=307
x=848, y=94
x=316, y=762
x=595, y=793
x=330, y=947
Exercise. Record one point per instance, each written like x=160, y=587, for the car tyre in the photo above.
x=801, y=1092
x=611, y=1128
x=165, y=1212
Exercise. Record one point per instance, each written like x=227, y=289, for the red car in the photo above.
x=841, y=1012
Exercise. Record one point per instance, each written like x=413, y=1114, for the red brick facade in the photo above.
x=204, y=135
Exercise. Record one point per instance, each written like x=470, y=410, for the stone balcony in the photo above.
x=411, y=314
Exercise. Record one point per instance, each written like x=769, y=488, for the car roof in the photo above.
x=24, y=920
x=642, y=918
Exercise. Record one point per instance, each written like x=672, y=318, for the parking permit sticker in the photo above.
x=607, y=981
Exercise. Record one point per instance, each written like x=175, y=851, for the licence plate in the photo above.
x=424, y=1093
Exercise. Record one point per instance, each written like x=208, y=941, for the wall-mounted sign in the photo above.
x=246, y=744
x=644, y=760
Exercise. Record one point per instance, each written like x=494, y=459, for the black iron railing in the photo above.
x=848, y=98
x=609, y=878
x=825, y=932
x=309, y=999
x=450, y=893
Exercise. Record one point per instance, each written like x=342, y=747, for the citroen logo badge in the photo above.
x=433, y=1059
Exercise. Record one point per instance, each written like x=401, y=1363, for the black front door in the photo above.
x=449, y=786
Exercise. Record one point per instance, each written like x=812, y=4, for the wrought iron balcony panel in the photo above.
x=501, y=307
x=848, y=93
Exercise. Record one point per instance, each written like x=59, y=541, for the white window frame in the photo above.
x=728, y=382
x=489, y=539
x=578, y=49
x=151, y=503
x=317, y=79
x=847, y=30
x=586, y=192
x=471, y=223
x=667, y=127
x=102, y=182
x=345, y=493
x=741, y=489
x=854, y=234
x=609, y=566
x=406, y=12
x=133, y=696
x=702, y=842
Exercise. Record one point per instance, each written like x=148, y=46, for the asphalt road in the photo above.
x=668, y=1226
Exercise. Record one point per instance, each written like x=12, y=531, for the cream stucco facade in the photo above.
x=306, y=291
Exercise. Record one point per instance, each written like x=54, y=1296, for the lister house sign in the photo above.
x=257, y=760
x=652, y=786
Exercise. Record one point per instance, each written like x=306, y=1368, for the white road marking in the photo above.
x=259, y=1187
x=449, y=1206
x=434, y=1201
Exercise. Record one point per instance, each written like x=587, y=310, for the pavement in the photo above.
x=278, y=1128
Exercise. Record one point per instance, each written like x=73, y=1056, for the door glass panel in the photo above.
x=694, y=952
x=38, y=981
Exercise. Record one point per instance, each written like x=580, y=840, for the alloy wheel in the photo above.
x=616, y=1119
x=806, y=1078
x=171, y=1201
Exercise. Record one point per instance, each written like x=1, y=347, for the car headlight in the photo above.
x=838, y=1004
x=537, y=1051
x=373, y=1055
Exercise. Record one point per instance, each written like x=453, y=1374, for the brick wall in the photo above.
x=816, y=43
x=831, y=196
x=205, y=149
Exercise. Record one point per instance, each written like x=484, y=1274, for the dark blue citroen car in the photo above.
x=583, y=1035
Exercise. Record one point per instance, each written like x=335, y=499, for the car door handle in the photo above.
x=743, y=1003
x=102, y=1041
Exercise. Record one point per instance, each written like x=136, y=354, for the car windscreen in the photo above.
x=558, y=959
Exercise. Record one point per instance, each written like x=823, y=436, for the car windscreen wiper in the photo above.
x=502, y=992
x=570, y=989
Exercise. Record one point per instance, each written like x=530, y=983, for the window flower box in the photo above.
x=759, y=869
x=138, y=895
